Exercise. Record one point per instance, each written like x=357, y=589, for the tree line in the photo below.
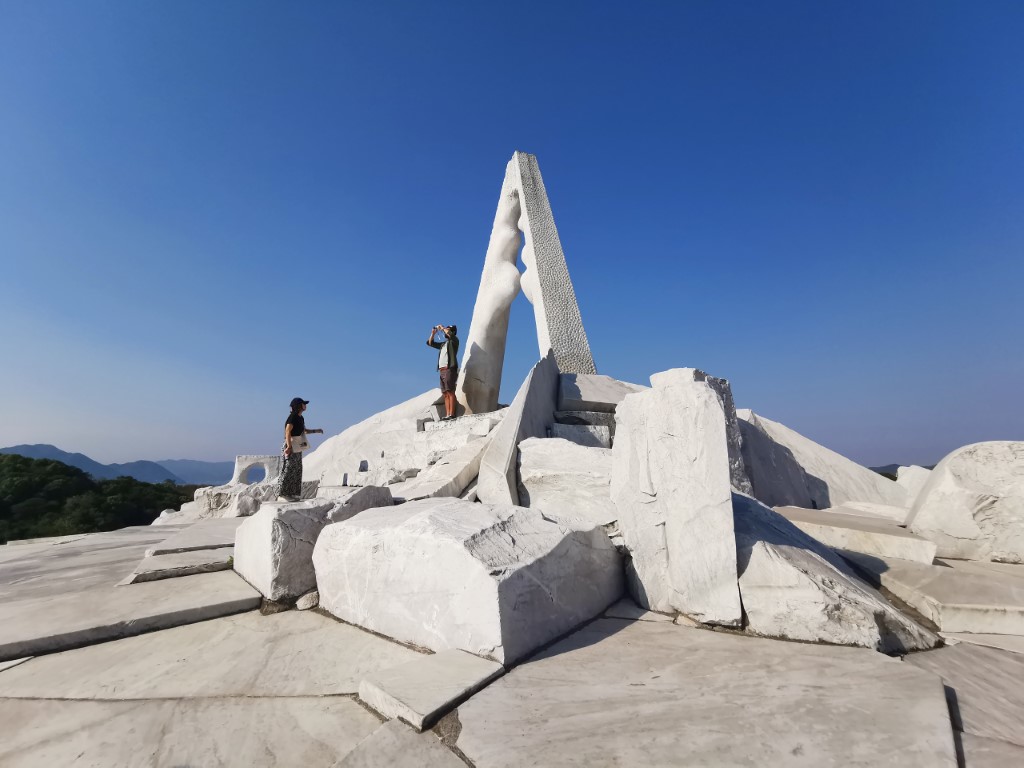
x=42, y=497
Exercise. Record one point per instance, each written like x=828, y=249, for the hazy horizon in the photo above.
x=209, y=209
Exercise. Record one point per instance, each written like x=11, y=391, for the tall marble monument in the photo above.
x=523, y=211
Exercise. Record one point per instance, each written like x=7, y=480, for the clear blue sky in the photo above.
x=208, y=208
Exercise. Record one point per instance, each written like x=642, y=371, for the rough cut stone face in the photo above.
x=796, y=588
x=598, y=393
x=737, y=470
x=583, y=434
x=497, y=581
x=973, y=504
x=787, y=469
x=529, y=415
x=274, y=547
x=357, y=500
x=563, y=478
x=671, y=487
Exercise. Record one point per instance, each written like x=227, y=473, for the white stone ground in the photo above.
x=249, y=690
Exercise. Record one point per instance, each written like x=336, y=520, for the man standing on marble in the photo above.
x=447, y=364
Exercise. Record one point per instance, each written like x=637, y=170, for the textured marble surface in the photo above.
x=497, y=581
x=795, y=587
x=621, y=693
x=171, y=733
x=860, y=533
x=53, y=569
x=990, y=753
x=972, y=504
x=566, y=479
x=988, y=694
x=671, y=488
x=956, y=595
x=296, y=653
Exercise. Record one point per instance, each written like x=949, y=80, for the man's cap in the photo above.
x=454, y=328
x=297, y=401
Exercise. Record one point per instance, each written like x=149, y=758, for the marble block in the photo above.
x=787, y=469
x=530, y=415
x=955, y=595
x=450, y=476
x=796, y=588
x=972, y=505
x=579, y=392
x=496, y=581
x=274, y=547
x=671, y=489
x=358, y=500
x=859, y=533
x=564, y=478
x=423, y=689
x=913, y=479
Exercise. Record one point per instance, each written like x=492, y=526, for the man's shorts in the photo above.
x=448, y=378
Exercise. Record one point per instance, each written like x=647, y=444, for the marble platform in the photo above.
x=650, y=693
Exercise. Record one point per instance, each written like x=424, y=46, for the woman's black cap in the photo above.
x=297, y=401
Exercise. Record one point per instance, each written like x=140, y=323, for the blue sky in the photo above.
x=208, y=208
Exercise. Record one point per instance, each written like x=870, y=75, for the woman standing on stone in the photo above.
x=295, y=443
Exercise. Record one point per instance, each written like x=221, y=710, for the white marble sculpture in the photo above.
x=523, y=212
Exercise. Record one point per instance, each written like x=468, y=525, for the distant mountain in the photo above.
x=146, y=471
x=200, y=472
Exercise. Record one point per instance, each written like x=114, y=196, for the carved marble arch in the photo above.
x=271, y=466
x=523, y=219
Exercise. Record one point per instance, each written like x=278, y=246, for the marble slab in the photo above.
x=653, y=694
x=990, y=753
x=205, y=534
x=218, y=732
x=96, y=560
x=958, y=596
x=420, y=691
x=1013, y=643
x=859, y=533
x=988, y=688
x=285, y=654
x=38, y=625
x=157, y=567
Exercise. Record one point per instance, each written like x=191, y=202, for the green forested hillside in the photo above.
x=41, y=497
